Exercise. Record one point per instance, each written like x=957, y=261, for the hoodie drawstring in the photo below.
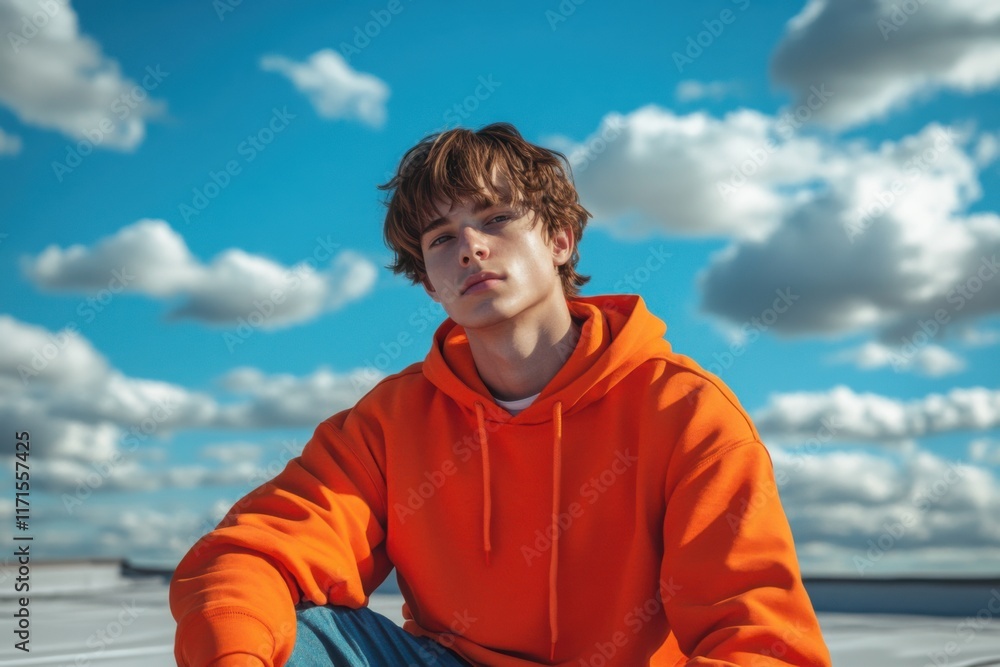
x=554, y=561
x=487, y=496
x=556, y=483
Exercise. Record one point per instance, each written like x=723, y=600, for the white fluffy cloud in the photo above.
x=150, y=258
x=67, y=359
x=869, y=238
x=882, y=242
x=860, y=513
x=286, y=400
x=93, y=422
x=60, y=376
x=841, y=414
x=52, y=76
x=333, y=87
x=876, y=57
x=930, y=360
x=59, y=388
x=653, y=171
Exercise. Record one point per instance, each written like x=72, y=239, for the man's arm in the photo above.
x=737, y=596
x=316, y=531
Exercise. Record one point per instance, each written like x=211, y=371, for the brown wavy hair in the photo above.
x=455, y=166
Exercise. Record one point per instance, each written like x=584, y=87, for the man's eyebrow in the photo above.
x=437, y=222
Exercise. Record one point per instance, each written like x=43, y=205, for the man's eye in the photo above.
x=496, y=218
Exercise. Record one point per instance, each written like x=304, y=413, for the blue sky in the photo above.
x=168, y=166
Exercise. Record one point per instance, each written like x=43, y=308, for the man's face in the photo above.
x=463, y=242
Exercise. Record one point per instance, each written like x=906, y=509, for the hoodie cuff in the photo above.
x=224, y=638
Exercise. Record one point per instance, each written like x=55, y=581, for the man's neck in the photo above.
x=517, y=358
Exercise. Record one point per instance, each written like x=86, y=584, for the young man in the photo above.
x=553, y=484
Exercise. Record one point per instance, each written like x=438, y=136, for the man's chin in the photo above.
x=478, y=318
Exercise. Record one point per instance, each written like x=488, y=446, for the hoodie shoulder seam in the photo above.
x=705, y=462
x=415, y=368
x=715, y=383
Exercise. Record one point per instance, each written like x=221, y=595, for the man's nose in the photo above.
x=472, y=244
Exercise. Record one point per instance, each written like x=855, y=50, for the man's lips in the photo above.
x=487, y=277
x=482, y=285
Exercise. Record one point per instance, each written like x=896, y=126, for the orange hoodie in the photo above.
x=628, y=516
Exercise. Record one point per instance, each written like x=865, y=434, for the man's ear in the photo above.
x=562, y=246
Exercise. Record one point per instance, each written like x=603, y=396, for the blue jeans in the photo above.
x=345, y=637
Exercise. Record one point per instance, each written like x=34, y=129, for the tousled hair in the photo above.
x=456, y=166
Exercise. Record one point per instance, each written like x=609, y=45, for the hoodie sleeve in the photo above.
x=315, y=532
x=735, y=595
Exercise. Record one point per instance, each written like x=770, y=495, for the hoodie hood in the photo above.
x=617, y=334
